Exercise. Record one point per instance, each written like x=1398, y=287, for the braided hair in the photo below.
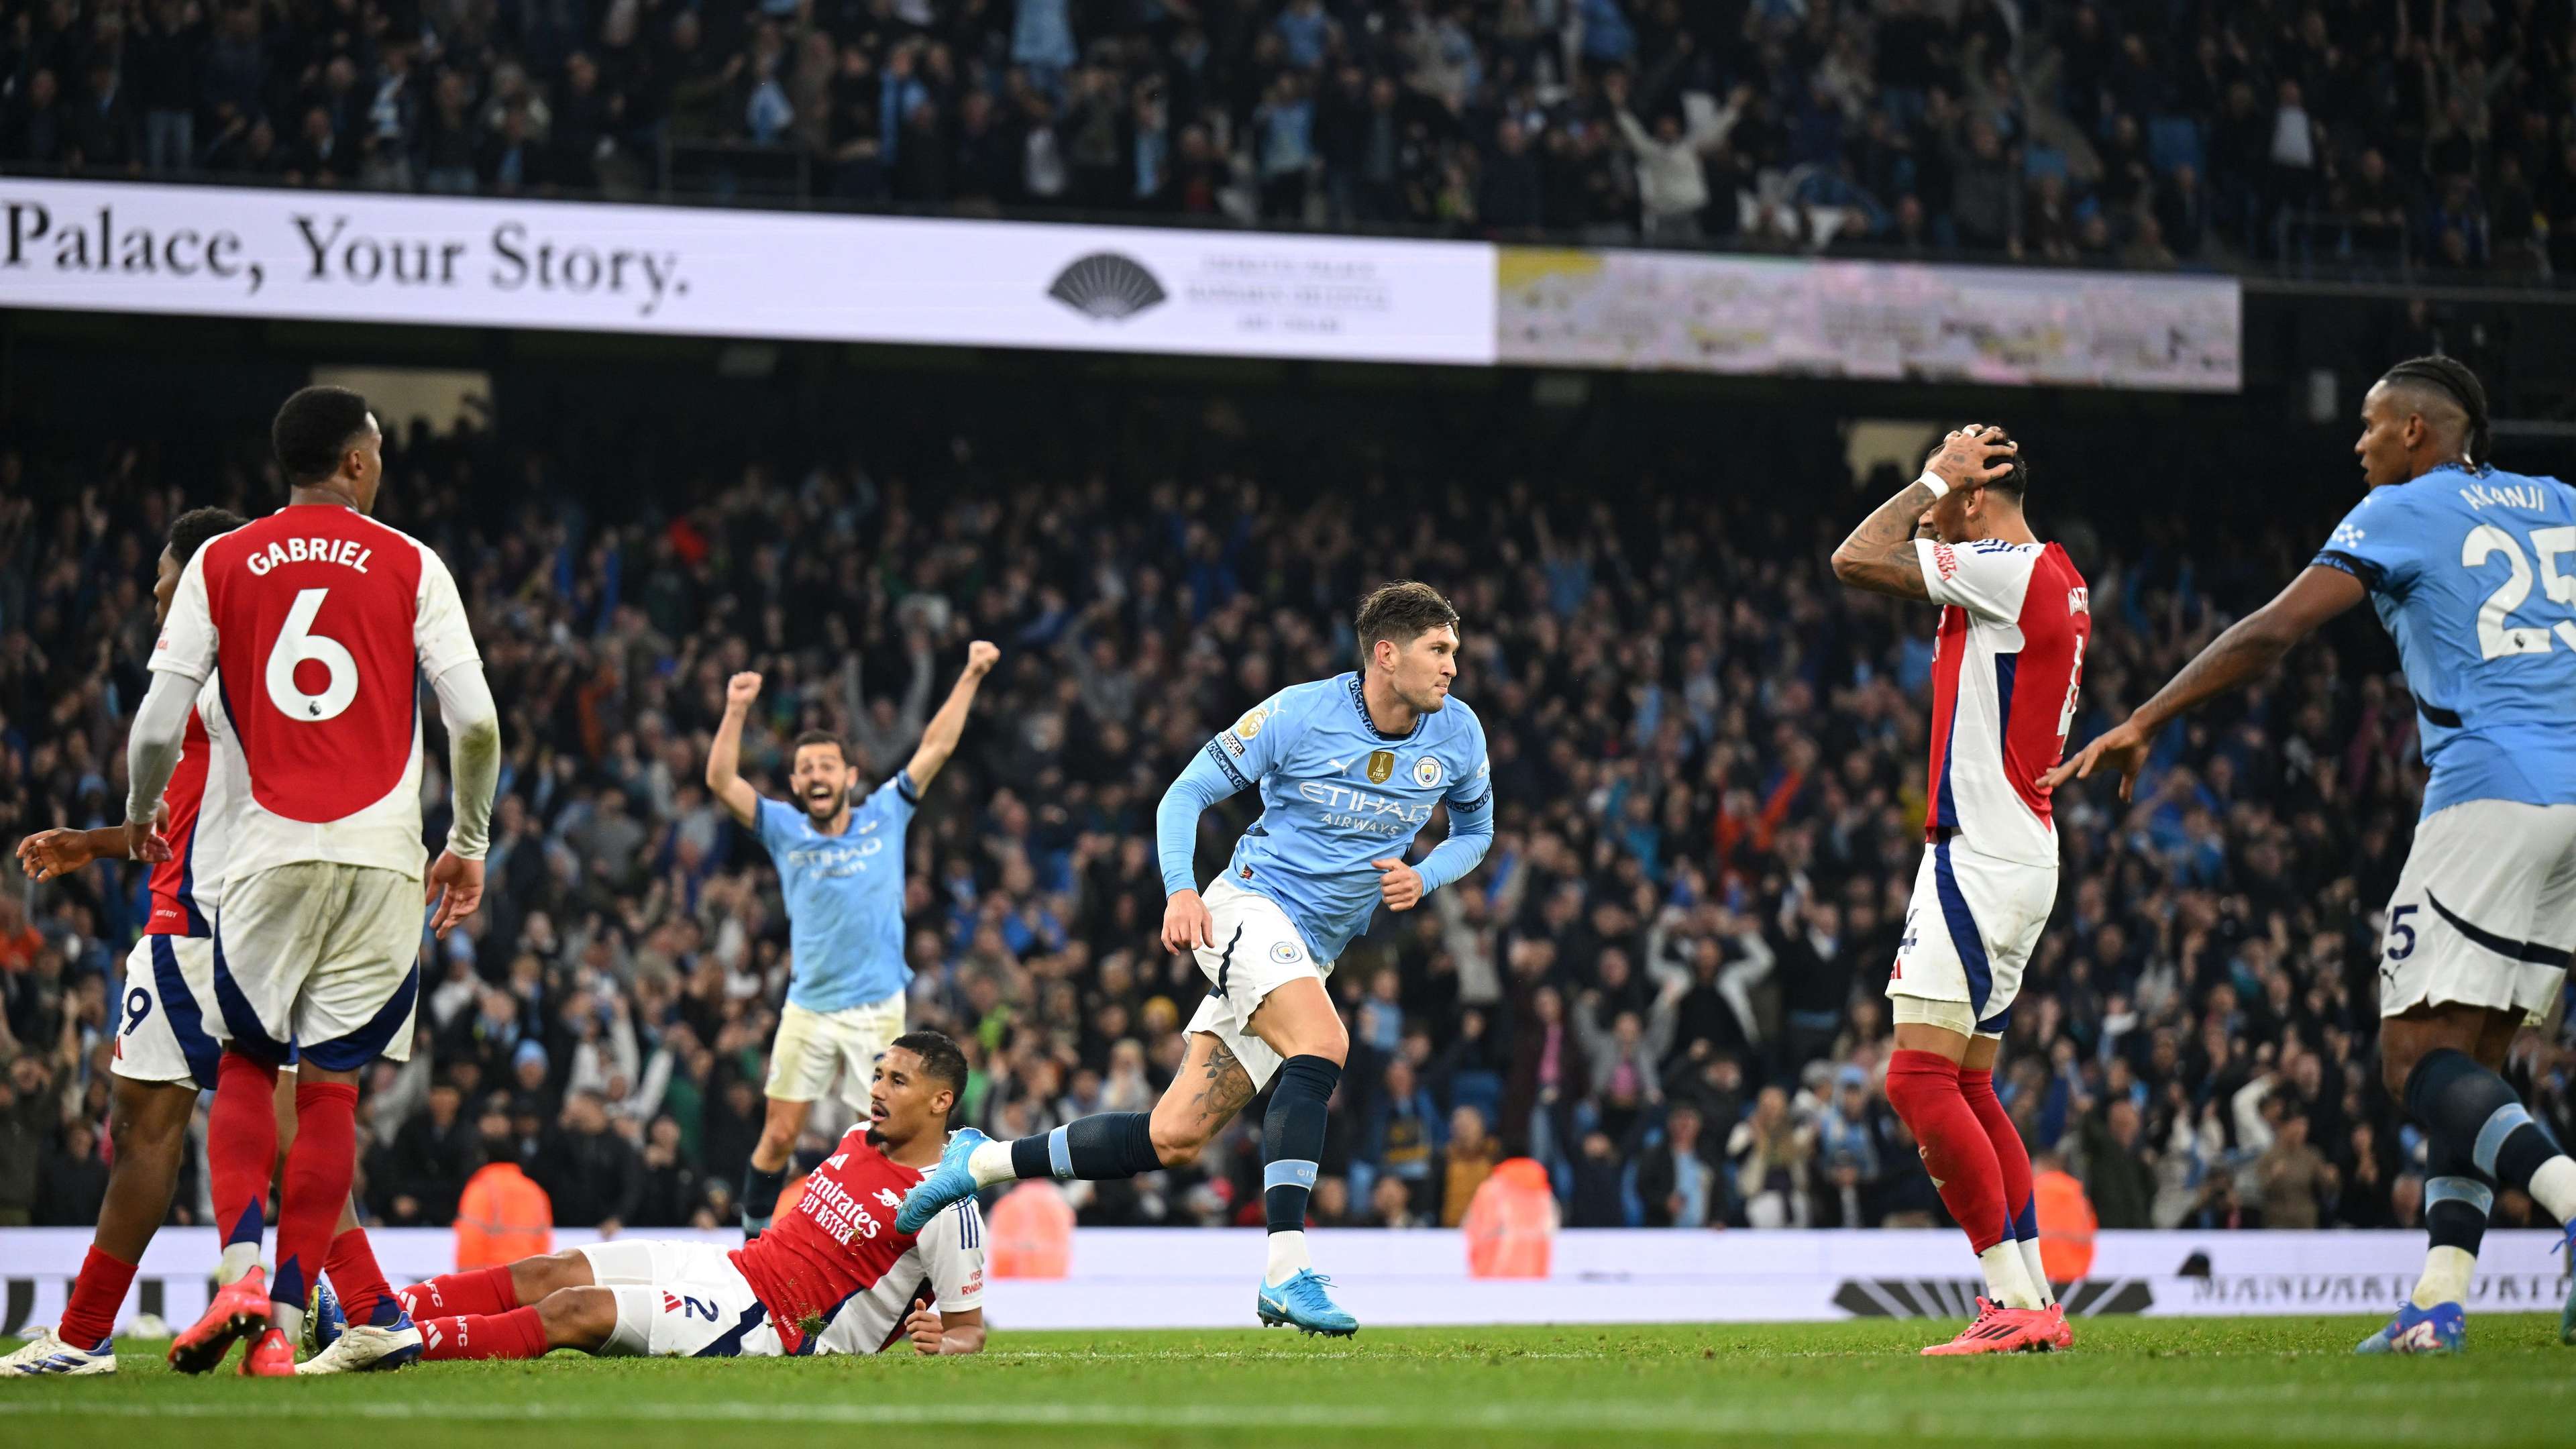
x=2451, y=378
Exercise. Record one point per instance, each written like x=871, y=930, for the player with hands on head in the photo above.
x=1350, y=770
x=2008, y=658
x=840, y=867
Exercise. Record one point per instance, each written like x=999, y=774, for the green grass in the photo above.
x=2144, y=1381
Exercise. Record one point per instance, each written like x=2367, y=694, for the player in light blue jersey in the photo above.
x=2473, y=571
x=1350, y=769
x=840, y=867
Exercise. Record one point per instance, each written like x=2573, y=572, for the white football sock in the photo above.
x=2007, y=1281
x=991, y=1163
x=2446, y=1276
x=2554, y=1188
x=2038, y=1272
x=1287, y=1258
x=239, y=1258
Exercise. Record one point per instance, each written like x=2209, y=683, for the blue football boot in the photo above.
x=2442, y=1328
x=948, y=1184
x=1303, y=1304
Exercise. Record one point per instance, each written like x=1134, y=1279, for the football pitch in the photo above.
x=2179, y=1381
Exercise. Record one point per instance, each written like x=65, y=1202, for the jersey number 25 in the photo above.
x=2495, y=637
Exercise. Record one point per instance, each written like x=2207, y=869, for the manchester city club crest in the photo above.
x=1381, y=766
x=1284, y=952
x=1426, y=772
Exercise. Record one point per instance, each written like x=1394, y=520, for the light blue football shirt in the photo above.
x=2474, y=575
x=844, y=897
x=1335, y=795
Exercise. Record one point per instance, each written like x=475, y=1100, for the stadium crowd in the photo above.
x=1663, y=983
x=2436, y=134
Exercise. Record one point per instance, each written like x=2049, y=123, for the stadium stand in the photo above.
x=1663, y=984
x=2363, y=136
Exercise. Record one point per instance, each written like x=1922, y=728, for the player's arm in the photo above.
x=445, y=647
x=2247, y=651
x=939, y=737
x=1237, y=756
x=1471, y=834
x=1880, y=557
x=724, y=757
x=181, y=659
x=49, y=854
x=946, y=1333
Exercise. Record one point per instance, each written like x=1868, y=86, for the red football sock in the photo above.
x=1923, y=1087
x=91, y=1316
x=318, y=1169
x=2011, y=1154
x=355, y=1276
x=476, y=1290
x=515, y=1334
x=241, y=1146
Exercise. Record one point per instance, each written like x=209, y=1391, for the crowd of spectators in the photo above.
x=1664, y=982
x=2433, y=134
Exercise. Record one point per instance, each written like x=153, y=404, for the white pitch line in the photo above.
x=1880, y=1415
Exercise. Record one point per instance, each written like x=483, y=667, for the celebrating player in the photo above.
x=167, y=1042
x=1350, y=769
x=320, y=620
x=2476, y=939
x=2007, y=660
x=830, y=1278
x=841, y=868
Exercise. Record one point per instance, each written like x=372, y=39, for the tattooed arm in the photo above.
x=1880, y=556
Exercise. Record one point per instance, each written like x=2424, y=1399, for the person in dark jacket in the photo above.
x=2119, y=1173
x=594, y=1176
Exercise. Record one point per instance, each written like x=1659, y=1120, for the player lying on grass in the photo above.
x=2006, y=661
x=168, y=1039
x=1350, y=770
x=833, y=1276
x=2478, y=929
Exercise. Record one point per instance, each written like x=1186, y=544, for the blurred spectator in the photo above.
x=2097, y=135
x=1466, y=1160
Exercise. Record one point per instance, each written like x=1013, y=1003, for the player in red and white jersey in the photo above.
x=2007, y=662
x=321, y=621
x=168, y=1041
x=830, y=1276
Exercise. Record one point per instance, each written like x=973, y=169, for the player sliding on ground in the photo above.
x=1350, y=769
x=168, y=1039
x=833, y=1276
x=2006, y=663
x=2444, y=544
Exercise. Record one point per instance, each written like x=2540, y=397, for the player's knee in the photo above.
x=536, y=1279
x=1177, y=1142
x=141, y=1135
x=583, y=1318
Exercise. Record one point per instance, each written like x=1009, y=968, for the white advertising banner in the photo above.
x=1198, y=1278
x=1887, y=321
x=361, y=257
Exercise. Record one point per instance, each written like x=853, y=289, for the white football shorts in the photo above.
x=2485, y=910
x=1257, y=951
x=1969, y=931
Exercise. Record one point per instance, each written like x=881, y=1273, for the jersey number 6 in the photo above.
x=297, y=643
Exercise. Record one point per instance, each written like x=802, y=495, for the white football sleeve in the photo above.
x=1986, y=579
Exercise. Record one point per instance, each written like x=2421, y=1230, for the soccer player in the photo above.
x=2444, y=545
x=168, y=1037
x=841, y=869
x=1350, y=769
x=321, y=620
x=2007, y=660
x=832, y=1277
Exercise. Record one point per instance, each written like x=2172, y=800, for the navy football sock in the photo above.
x=2474, y=1115
x=760, y=1192
x=1099, y=1148
x=1292, y=1138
